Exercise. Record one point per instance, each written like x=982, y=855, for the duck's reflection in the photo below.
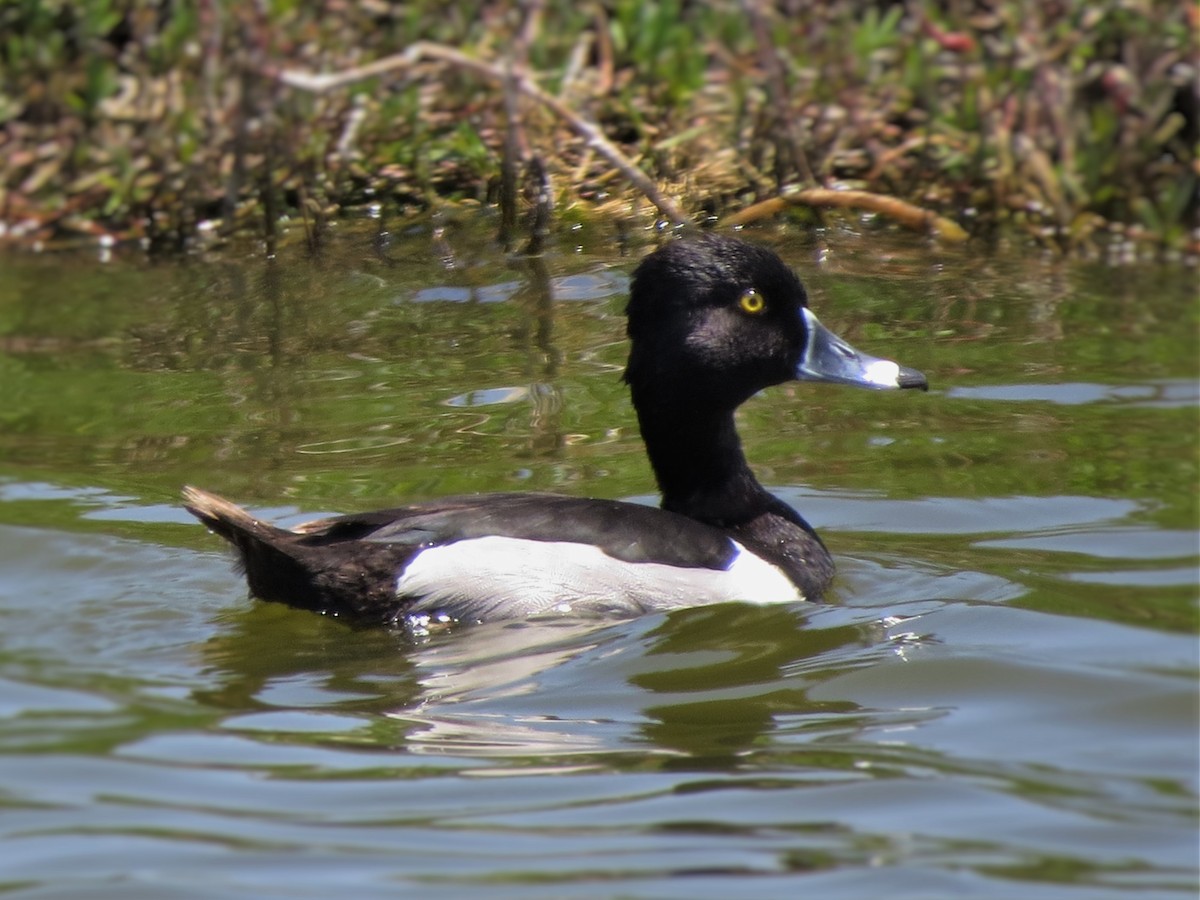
x=696, y=687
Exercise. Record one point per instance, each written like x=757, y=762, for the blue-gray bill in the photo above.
x=829, y=358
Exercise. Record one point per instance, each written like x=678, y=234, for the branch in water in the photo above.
x=907, y=214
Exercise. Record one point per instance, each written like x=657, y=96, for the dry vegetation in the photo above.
x=155, y=120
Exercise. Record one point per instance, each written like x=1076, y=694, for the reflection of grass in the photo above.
x=151, y=118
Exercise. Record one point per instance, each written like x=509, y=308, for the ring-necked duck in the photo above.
x=711, y=321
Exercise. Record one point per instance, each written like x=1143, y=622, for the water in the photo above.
x=999, y=700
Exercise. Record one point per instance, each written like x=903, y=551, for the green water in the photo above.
x=1000, y=698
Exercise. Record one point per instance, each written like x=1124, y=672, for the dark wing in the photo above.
x=625, y=531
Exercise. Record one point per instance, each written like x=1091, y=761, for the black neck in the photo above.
x=702, y=473
x=698, y=461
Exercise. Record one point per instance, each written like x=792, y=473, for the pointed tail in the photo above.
x=269, y=556
x=227, y=519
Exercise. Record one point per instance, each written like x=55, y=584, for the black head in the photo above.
x=716, y=320
x=717, y=315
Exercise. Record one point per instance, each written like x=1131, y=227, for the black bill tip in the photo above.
x=911, y=378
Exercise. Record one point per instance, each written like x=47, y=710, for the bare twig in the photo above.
x=516, y=146
x=424, y=50
x=784, y=127
x=515, y=150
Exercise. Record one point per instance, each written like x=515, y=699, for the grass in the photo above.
x=144, y=119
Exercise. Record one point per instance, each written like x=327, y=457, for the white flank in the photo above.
x=478, y=577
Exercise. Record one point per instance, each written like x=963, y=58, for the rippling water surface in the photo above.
x=999, y=699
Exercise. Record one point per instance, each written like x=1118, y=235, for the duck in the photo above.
x=712, y=320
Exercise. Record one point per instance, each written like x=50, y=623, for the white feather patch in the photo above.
x=482, y=577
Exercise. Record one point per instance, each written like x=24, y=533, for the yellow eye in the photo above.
x=751, y=302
